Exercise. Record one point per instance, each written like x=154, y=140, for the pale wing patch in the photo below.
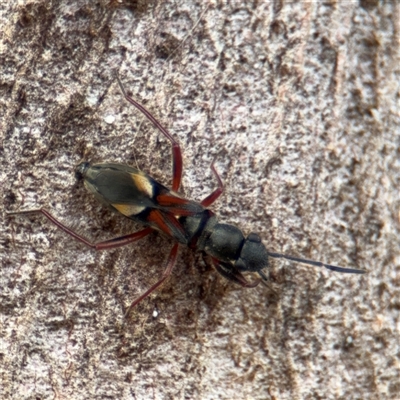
x=129, y=209
x=176, y=194
x=143, y=183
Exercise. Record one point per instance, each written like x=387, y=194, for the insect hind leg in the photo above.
x=107, y=244
x=211, y=198
x=177, y=163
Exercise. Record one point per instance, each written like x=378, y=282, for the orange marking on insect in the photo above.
x=178, y=205
x=156, y=217
x=167, y=200
x=143, y=184
x=166, y=223
x=128, y=209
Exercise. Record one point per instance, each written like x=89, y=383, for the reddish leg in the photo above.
x=217, y=192
x=107, y=244
x=176, y=150
x=168, y=269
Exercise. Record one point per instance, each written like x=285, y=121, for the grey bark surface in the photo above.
x=299, y=106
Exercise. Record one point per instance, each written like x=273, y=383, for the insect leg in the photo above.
x=228, y=271
x=123, y=240
x=167, y=272
x=217, y=192
x=108, y=244
x=176, y=150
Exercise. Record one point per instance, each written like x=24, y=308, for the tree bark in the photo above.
x=298, y=104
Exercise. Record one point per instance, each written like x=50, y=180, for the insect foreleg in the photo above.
x=229, y=271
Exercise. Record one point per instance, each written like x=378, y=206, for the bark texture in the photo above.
x=299, y=106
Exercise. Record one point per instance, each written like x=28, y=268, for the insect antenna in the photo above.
x=317, y=264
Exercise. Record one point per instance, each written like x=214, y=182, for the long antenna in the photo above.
x=319, y=264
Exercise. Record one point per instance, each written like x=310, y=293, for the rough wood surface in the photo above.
x=299, y=106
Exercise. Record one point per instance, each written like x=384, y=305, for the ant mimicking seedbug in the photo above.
x=139, y=197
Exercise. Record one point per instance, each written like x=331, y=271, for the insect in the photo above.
x=139, y=197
